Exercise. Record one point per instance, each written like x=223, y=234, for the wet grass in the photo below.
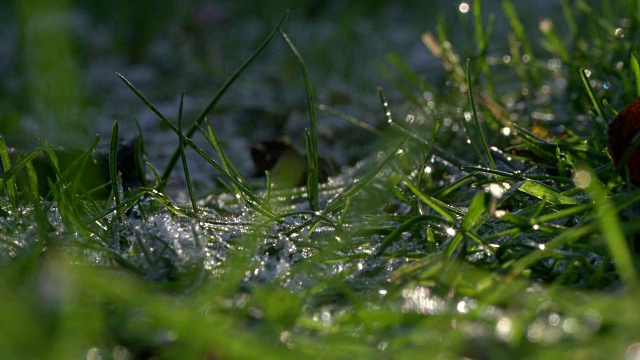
x=490, y=224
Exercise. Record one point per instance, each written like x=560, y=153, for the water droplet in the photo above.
x=410, y=119
x=582, y=179
x=463, y=7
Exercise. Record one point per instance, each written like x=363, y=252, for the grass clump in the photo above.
x=481, y=229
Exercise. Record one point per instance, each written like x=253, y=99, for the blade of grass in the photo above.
x=311, y=136
x=483, y=139
x=159, y=183
x=183, y=156
x=223, y=89
x=312, y=173
x=471, y=220
x=357, y=185
x=553, y=42
x=15, y=168
x=405, y=226
x=569, y=17
x=113, y=172
x=635, y=69
x=483, y=35
x=607, y=220
x=211, y=137
x=594, y=99
x=439, y=207
x=32, y=178
x=518, y=29
x=356, y=122
x=546, y=193
x=10, y=184
x=139, y=156
x=76, y=171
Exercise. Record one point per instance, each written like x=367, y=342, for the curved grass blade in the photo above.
x=311, y=136
x=223, y=89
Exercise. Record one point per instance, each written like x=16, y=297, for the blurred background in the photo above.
x=59, y=57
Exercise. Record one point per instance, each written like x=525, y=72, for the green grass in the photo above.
x=475, y=231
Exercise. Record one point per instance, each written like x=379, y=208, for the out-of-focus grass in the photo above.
x=495, y=240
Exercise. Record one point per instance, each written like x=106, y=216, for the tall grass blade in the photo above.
x=32, y=179
x=113, y=171
x=183, y=156
x=223, y=89
x=518, y=29
x=483, y=35
x=592, y=96
x=9, y=184
x=312, y=138
x=312, y=173
x=139, y=156
x=483, y=139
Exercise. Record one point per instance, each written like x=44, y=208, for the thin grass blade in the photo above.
x=183, y=156
x=483, y=139
x=592, y=96
x=9, y=184
x=113, y=171
x=312, y=137
x=366, y=179
x=439, y=207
